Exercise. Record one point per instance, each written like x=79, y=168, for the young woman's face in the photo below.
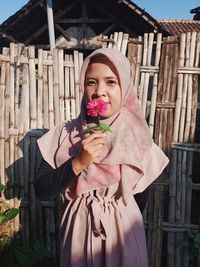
x=101, y=82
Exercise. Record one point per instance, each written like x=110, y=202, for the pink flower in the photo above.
x=96, y=107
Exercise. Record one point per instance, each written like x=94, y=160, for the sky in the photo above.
x=158, y=9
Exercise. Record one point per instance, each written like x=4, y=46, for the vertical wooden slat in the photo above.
x=45, y=81
x=72, y=89
x=179, y=90
x=40, y=89
x=2, y=120
x=61, y=84
x=67, y=90
x=32, y=75
x=51, y=96
x=76, y=81
x=12, y=86
x=17, y=85
x=56, y=87
x=124, y=43
x=80, y=57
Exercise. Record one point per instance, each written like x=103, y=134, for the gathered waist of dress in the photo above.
x=99, y=206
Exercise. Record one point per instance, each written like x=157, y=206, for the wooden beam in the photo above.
x=63, y=32
x=45, y=26
x=84, y=26
x=50, y=20
x=86, y=20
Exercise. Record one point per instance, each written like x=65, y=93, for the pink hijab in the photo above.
x=129, y=158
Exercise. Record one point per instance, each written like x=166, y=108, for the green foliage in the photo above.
x=192, y=242
x=2, y=187
x=102, y=127
x=22, y=255
x=8, y=215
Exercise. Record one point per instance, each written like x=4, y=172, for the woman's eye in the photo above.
x=112, y=82
x=90, y=83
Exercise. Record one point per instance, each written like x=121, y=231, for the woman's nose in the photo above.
x=101, y=89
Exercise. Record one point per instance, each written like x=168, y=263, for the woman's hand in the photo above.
x=92, y=146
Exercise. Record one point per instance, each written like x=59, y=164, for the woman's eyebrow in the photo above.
x=111, y=77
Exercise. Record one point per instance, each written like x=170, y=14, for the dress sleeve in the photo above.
x=50, y=182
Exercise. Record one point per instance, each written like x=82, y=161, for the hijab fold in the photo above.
x=129, y=157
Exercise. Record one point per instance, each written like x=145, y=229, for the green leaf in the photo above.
x=8, y=215
x=105, y=128
x=2, y=187
x=90, y=129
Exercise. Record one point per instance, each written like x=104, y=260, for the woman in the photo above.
x=102, y=224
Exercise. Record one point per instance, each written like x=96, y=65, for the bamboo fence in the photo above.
x=39, y=89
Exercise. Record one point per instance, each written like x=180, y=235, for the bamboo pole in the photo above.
x=124, y=43
x=172, y=207
x=51, y=95
x=153, y=104
x=185, y=89
x=197, y=53
x=72, y=90
x=24, y=109
x=183, y=108
x=189, y=161
x=194, y=109
x=2, y=121
x=141, y=88
x=12, y=86
x=46, y=79
x=179, y=90
x=40, y=89
x=67, y=91
x=195, y=91
x=145, y=93
x=21, y=165
x=17, y=86
x=56, y=87
x=189, y=110
x=158, y=49
x=80, y=65
x=110, y=43
x=178, y=186
x=32, y=77
x=76, y=81
x=104, y=43
x=183, y=188
x=61, y=84
x=150, y=48
x=138, y=65
x=145, y=49
x=115, y=40
x=175, y=67
x=190, y=87
x=119, y=41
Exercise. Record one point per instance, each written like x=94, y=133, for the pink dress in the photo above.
x=99, y=230
x=102, y=225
